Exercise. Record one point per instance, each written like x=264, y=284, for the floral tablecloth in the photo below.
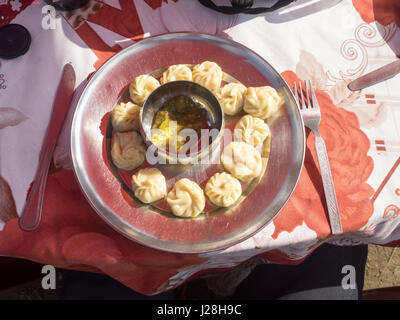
x=329, y=42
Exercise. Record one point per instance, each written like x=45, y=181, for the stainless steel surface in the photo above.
x=200, y=166
x=312, y=117
x=209, y=233
x=384, y=73
x=170, y=90
x=31, y=213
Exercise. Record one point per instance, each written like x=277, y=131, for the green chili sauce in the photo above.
x=187, y=111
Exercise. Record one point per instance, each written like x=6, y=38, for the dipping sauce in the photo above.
x=176, y=114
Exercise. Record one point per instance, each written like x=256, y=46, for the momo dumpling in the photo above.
x=141, y=87
x=208, y=74
x=230, y=96
x=149, y=185
x=127, y=150
x=223, y=189
x=186, y=199
x=261, y=102
x=251, y=130
x=176, y=72
x=242, y=160
x=125, y=117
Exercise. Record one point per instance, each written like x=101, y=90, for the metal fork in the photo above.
x=312, y=117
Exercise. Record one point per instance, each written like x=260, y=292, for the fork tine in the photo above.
x=313, y=97
x=307, y=85
x=303, y=103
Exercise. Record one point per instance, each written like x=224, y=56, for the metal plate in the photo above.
x=112, y=199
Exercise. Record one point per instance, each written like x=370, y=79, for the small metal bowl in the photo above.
x=168, y=91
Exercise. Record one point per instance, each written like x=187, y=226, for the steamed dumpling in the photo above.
x=261, y=102
x=242, y=160
x=149, y=185
x=176, y=72
x=125, y=117
x=223, y=189
x=208, y=74
x=141, y=87
x=186, y=199
x=127, y=150
x=251, y=130
x=230, y=96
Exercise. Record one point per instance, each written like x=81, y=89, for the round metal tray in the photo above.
x=108, y=189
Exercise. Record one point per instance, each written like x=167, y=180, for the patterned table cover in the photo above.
x=329, y=42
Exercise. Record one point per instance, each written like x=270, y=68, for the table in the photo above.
x=330, y=43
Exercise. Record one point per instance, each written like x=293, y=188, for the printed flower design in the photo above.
x=298, y=243
x=8, y=117
x=15, y=5
x=11, y=117
x=286, y=247
x=309, y=68
x=10, y=11
x=383, y=11
x=74, y=237
x=347, y=148
x=383, y=228
x=2, y=81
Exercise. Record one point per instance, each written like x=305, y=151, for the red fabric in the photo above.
x=72, y=236
x=8, y=12
x=383, y=11
x=154, y=4
x=347, y=148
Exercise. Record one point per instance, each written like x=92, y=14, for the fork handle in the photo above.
x=327, y=181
